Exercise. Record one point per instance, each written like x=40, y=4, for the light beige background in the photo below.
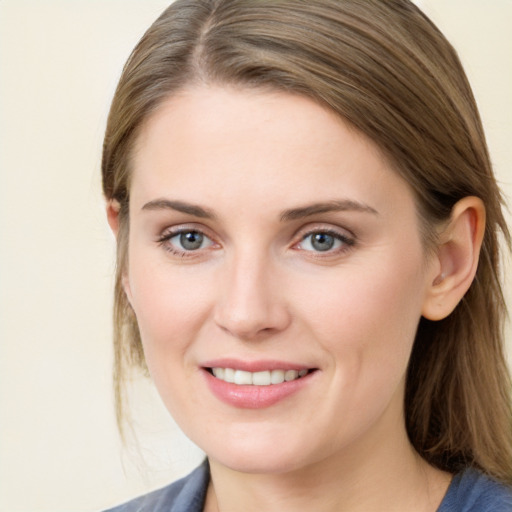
x=59, y=62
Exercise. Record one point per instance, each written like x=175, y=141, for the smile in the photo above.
x=262, y=378
x=256, y=389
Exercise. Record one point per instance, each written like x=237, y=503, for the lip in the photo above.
x=254, y=397
x=254, y=366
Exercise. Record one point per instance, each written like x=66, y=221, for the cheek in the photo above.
x=169, y=305
x=367, y=317
x=367, y=325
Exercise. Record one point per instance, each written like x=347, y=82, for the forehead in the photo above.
x=216, y=142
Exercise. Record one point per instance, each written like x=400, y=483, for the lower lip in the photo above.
x=254, y=397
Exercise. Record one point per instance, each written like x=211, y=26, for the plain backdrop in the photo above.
x=59, y=63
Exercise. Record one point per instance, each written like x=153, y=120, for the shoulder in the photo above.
x=472, y=491
x=185, y=495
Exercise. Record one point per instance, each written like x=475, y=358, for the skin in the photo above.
x=258, y=289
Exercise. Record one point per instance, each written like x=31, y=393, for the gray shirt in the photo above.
x=469, y=491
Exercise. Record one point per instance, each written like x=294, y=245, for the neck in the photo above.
x=377, y=473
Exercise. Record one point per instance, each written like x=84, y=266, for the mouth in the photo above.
x=260, y=378
x=256, y=384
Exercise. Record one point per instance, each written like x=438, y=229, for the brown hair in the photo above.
x=385, y=68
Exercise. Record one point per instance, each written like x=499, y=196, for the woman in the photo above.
x=307, y=227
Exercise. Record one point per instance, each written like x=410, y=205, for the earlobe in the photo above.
x=457, y=258
x=126, y=287
x=113, y=208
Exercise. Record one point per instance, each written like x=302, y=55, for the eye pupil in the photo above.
x=191, y=240
x=322, y=241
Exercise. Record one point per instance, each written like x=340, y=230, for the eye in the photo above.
x=185, y=241
x=325, y=241
x=190, y=240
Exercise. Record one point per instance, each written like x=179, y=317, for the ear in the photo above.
x=456, y=259
x=113, y=208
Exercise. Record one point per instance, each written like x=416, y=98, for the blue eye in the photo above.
x=324, y=241
x=185, y=241
x=190, y=240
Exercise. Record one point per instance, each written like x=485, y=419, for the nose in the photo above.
x=251, y=304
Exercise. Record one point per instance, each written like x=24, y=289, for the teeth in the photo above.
x=277, y=376
x=242, y=377
x=229, y=374
x=265, y=378
x=261, y=378
x=291, y=375
x=219, y=373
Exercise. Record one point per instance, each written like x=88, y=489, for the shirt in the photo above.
x=469, y=491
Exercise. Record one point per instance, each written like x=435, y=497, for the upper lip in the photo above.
x=254, y=366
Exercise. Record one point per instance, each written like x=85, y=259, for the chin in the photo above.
x=259, y=465
x=270, y=457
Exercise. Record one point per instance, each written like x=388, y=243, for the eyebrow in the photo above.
x=326, y=207
x=287, y=215
x=179, y=206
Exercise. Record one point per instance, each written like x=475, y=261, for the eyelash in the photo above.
x=347, y=242
x=166, y=237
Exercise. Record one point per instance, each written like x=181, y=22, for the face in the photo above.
x=277, y=274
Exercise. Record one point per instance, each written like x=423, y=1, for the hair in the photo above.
x=385, y=68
